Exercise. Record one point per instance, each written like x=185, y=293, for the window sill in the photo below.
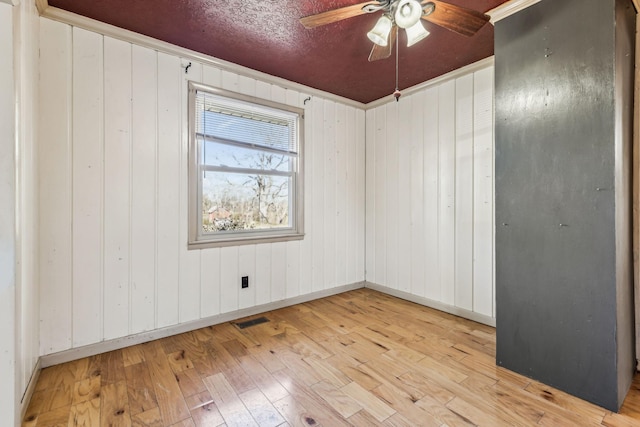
x=239, y=241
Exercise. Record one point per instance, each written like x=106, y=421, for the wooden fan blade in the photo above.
x=335, y=15
x=382, y=52
x=456, y=18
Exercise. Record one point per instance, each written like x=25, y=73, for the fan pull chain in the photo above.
x=397, y=93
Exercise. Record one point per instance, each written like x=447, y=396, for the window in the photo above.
x=245, y=169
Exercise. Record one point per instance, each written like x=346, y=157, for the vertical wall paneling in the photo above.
x=229, y=279
x=404, y=129
x=55, y=188
x=371, y=194
x=168, y=191
x=263, y=274
x=483, y=278
x=380, y=190
x=429, y=206
x=361, y=192
x=464, y=193
x=447, y=181
x=88, y=191
x=278, y=271
x=246, y=86
x=317, y=214
x=342, y=183
x=210, y=283
x=294, y=98
x=114, y=258
x=278, y=93
x=416, y=203
x=293, y=267
x=393, y=213
x=330, y=190
x=212, y=76
x=189, y=260
x=306, y=245
x=263, y=90
x=117, y=186
x=144, y=160
x=230, y=81
x=350, y=145
x=431, y=181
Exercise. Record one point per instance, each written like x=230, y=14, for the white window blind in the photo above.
x=241, y=122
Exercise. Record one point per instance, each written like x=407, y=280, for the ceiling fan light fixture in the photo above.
x=408, y=13
x=379, y=34
x=415, y=33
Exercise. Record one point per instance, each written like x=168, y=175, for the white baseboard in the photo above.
x=456, y=311
x=119, y=343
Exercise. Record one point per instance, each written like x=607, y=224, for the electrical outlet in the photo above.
x=245, y=282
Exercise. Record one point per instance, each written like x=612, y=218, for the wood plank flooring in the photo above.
x=361, y=358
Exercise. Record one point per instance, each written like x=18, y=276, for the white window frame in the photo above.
x=198, y=239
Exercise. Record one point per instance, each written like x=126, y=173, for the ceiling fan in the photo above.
x=405, y=14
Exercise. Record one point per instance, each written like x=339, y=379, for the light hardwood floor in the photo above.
x=361, y=358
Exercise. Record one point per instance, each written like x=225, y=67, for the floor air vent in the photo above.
x=252, y=322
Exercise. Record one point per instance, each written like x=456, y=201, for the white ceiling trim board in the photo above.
x=509, y=8
x=467, y=69
x=42, y=5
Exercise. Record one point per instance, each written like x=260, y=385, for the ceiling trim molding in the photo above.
x=108, y=30
x=509, y=8
x=42, y=5
x=468, y=69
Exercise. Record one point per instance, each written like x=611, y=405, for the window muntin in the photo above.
x=245, y=169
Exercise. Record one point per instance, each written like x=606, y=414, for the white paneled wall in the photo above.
x=113, y=196
x=8, y=313
x=429, y=197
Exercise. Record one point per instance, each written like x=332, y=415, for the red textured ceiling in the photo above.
x=266, y=36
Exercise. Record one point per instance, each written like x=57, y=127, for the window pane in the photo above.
x=238, y=157
x=233, y=201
